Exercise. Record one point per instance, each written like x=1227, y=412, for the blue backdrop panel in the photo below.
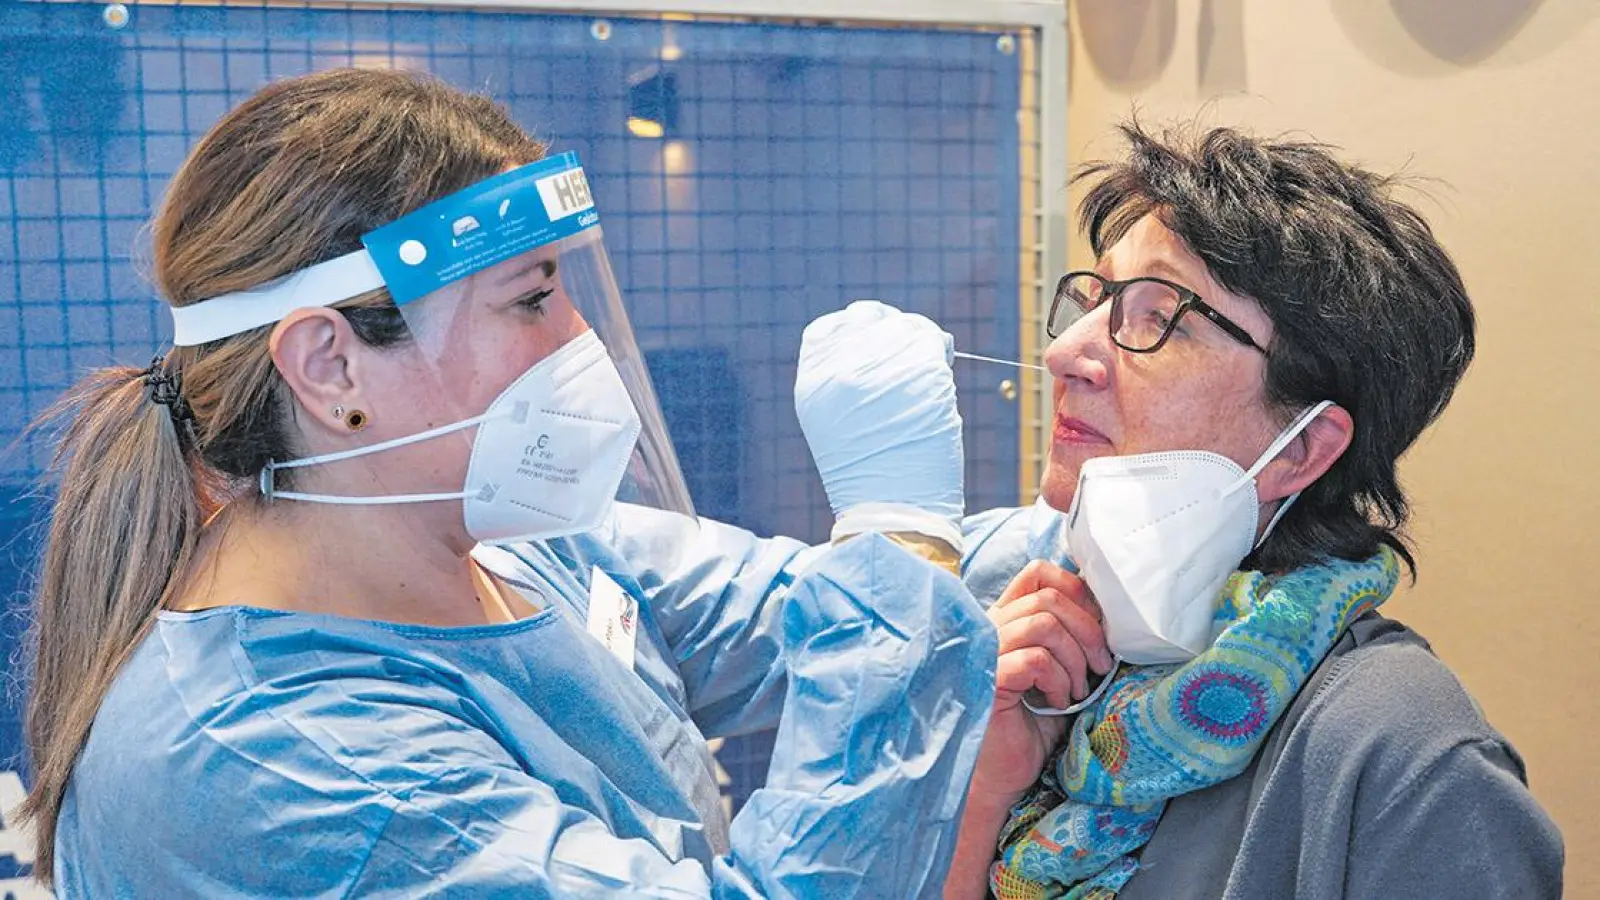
x=798, y=168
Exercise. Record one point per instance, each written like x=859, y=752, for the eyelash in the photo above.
x=535, y=299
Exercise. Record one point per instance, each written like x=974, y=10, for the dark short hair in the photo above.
x=1367, y=309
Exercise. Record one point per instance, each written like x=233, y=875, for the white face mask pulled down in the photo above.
x=550, y=452
x=1156, y=535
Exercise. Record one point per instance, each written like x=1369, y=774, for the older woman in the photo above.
x=1264, y=333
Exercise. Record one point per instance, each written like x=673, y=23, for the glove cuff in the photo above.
x=897, y=518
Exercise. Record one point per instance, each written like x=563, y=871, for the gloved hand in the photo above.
x=876, y=399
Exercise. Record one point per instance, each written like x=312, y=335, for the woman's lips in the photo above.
x=1076, y=431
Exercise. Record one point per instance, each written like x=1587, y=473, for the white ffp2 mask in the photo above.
x=1156, y=535
x=549, y=455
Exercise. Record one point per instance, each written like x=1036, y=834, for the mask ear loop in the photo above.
x=270, y=492
x=1299, y=424
x=1105, y=681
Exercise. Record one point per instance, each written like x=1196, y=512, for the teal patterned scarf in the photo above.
x=1162, y=731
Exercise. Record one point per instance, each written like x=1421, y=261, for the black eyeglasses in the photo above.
x=1143, y=310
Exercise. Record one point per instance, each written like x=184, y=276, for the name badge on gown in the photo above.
x=613, y=616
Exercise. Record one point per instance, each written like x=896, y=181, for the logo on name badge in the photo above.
x=613, y=616
x=627, y=617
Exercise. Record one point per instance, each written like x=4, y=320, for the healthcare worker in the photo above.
x=384, y=582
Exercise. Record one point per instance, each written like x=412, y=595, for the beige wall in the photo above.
x=1500, y=99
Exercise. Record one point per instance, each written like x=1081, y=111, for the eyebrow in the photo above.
x=1164, y=269
x=548, y=265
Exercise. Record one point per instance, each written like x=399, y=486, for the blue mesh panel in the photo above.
x=802, y=167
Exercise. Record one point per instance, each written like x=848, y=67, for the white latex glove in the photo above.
x=876, y=398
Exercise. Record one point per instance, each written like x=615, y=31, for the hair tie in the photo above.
x=166, y=388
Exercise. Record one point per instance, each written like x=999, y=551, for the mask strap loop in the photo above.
x=1273, y=522
x=268, y=480
x=1288, y=434
x=390, y=444
x=385, y=500
x=1105, y=682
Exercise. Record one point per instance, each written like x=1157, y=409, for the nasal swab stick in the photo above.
x=1003, y=362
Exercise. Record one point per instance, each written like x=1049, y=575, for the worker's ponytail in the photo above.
x=125, y=521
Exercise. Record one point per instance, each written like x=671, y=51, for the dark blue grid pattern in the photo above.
x=809, y=166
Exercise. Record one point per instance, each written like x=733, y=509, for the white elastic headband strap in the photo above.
x=323, y=284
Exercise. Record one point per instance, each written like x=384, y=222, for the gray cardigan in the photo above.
x=1382, y=780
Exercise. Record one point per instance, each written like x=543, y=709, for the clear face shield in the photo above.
x=653, y=477
x=521, y=369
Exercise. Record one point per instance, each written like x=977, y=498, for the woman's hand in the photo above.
x=1051, y=638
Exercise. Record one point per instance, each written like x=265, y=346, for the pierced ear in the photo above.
x=314, y=351
x=1308, y=457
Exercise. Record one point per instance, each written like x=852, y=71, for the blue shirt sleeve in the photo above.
x=995, y=547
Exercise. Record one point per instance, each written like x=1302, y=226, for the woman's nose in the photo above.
x=1084, y=350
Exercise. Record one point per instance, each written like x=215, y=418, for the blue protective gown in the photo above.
x=252, y=753
x=997, y=544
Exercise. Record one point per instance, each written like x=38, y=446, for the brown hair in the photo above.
x=292, y=177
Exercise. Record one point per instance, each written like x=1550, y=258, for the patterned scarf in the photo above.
x=1162, y=731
